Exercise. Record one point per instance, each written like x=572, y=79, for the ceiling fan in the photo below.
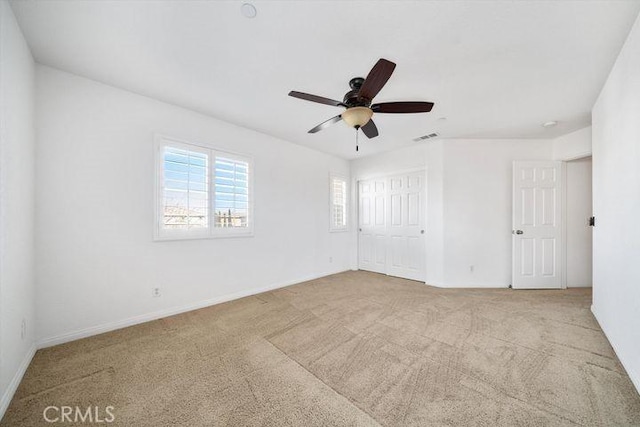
x=357, y=101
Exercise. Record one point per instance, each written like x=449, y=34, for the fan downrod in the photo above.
x=356, y=83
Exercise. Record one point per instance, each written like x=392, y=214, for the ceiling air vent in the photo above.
x=422, y=138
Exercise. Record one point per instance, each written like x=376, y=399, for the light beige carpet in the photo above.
x=351, y=349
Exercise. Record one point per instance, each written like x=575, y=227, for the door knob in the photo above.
x=517, y=232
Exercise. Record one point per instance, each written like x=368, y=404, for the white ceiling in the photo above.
x=495, y=69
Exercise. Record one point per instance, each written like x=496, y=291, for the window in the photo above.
x=231, y=201
x=338, y=194
x=201, y=192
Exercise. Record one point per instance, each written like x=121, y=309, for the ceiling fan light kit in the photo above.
x=357, y=117
x=357, y=101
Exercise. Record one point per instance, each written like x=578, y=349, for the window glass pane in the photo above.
x=338, y=203
x=231, y=199
x=185, y=189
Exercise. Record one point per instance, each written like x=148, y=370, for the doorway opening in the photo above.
x=579, y=233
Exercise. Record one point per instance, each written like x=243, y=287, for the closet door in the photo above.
x=391, y=234
x=372, y=227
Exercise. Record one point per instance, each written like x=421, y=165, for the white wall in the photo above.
x=574, y=145
x=616, y=202
x=16, y=204
x=96, y=259
x=579, y=233
x=408, y=158
x=478, y=197
x=435, y=213
x=469, y=193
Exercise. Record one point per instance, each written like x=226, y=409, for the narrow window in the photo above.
x=338, y=194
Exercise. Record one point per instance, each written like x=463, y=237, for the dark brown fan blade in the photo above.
x=402, y=107
x=316, y=98
x=328, y=123
x=376, y=79
x=370, y=129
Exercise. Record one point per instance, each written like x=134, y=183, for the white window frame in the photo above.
x=211, y=232
x=332, y=227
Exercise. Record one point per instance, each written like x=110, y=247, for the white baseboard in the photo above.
x=436, y=284
x=119, y=324
x=635, y=379
x=465, y=286
x=15, y=381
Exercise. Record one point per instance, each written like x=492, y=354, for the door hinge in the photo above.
x=592, y=221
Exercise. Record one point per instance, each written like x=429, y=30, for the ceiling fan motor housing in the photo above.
x=351, y=98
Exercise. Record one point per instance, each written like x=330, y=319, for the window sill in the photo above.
x=203, y=237
x=338, y=230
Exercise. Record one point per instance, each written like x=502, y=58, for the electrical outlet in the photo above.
x=155, y=292
x=23, y=329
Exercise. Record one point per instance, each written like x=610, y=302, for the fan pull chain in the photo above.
x=356, y=139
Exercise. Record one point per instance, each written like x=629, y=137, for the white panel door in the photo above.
x=391, y=226
x=406, y=250
x=372, y=239
x=537, y=225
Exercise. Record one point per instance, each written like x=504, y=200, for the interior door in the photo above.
x=406, y=247
x=391, y=237
x=537, y=224
x=372, y=227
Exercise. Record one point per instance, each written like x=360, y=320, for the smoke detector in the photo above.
x=248, y=10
